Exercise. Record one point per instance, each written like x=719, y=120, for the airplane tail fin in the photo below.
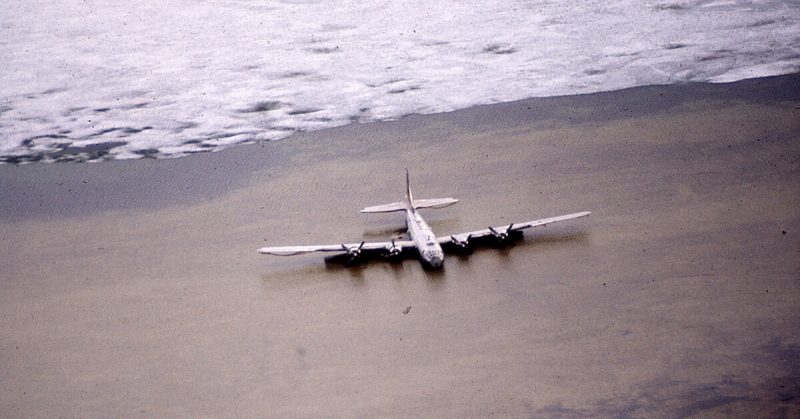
x=410, y=204
x=409, y=197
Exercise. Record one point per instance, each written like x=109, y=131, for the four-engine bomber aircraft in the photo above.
x=421, y=236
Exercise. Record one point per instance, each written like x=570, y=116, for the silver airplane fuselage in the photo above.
x=430, y=252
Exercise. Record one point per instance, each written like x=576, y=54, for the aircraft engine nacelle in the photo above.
x=500, y=236
x=462, y=245
x=506, y=235
x=394, y=250
x=353, y=252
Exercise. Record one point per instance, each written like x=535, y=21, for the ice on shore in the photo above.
x=102, y=79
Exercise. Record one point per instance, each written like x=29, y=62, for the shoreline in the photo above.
x=132, y=287
x=239, y=160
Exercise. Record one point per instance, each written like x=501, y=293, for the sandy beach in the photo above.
x=133, y=288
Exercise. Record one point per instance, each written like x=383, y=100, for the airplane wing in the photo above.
x=460, y=237
x=345, y=247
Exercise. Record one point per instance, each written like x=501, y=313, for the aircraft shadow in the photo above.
x=340, y=264
x=395, y=264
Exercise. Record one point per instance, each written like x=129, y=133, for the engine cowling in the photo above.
x=354, y=252
x=505, y=235
x=501, y=236
x=462, y=245
x=394, y=250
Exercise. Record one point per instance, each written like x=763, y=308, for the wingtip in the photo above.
x=266, y=251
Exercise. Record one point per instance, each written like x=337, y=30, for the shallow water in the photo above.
x=97, y=80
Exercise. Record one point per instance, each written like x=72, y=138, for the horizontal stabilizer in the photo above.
x=418, y=203
x=394, y=206
x=434, y=203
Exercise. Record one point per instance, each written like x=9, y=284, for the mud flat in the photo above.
x=132, y=288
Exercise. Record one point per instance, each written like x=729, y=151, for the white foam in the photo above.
x=170, y=78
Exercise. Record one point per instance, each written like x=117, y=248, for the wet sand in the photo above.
x=133, y=289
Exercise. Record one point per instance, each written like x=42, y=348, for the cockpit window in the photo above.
x=431, y=254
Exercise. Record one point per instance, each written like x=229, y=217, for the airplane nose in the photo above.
x=436, y=263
